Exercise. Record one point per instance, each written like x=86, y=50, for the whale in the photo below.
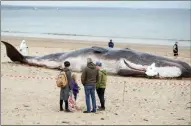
x=116, y=61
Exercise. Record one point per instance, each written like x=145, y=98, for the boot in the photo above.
x=66, y=106
x=61, y=103
x=67, y=110
x=101, y=108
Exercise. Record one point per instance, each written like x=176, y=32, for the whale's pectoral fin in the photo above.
x=13, y=53
x=125, y=72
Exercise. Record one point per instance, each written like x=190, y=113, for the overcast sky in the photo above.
x=128, y=4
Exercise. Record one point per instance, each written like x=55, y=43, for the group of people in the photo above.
x=93, y=78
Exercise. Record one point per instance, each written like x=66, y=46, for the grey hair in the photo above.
x=89, y=60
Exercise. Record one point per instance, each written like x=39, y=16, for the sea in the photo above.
x=122, y=25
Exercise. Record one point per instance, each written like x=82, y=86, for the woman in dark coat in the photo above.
x=175, y=49
x=65, y=92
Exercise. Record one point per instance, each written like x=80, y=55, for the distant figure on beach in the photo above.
x=23, y=48
x=89, y=79
x=111, y=44
x=75, y=87
x=65, y=92
x=101, y=85
x=175, y=49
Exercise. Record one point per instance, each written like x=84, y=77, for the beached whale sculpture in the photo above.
x=123, y=62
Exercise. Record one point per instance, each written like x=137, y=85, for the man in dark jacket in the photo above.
x=110, y=44
x=64, y=92
x=89, y=79
x=175, y=49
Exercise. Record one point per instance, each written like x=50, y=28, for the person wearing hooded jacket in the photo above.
x=65, y=91
x=89, y=79
x=110, y=44
x=101, y=85
x=175, y=49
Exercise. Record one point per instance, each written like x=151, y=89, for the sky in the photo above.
x=127, y=4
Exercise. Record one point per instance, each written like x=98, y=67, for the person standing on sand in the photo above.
x=111, y=44
x=175, y=49
x=66, y=91
x=89, y=79
x=101, y=85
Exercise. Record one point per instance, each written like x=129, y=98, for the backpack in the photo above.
x=61, y=80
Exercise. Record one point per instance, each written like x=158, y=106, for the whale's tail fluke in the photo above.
x=13, y=53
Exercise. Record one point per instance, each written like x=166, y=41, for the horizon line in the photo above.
x=89, y=7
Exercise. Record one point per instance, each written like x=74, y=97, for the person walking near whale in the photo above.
x=175, y=49
x=110, y=44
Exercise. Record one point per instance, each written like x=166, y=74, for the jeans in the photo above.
x=90, y=91
x=100, y=93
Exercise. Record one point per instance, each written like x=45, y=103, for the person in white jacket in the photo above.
x=23, y=48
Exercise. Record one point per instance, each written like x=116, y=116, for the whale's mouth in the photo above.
x=131, y=69
x=149, y=71
x=135, y=67
x=152, y=71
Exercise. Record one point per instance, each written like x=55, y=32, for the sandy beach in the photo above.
x=129, y=101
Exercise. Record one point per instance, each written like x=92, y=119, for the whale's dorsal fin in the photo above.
x=97, y=49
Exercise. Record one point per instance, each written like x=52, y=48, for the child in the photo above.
x=75, y=87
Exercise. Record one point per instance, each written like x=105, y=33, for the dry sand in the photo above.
x=128, y=100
